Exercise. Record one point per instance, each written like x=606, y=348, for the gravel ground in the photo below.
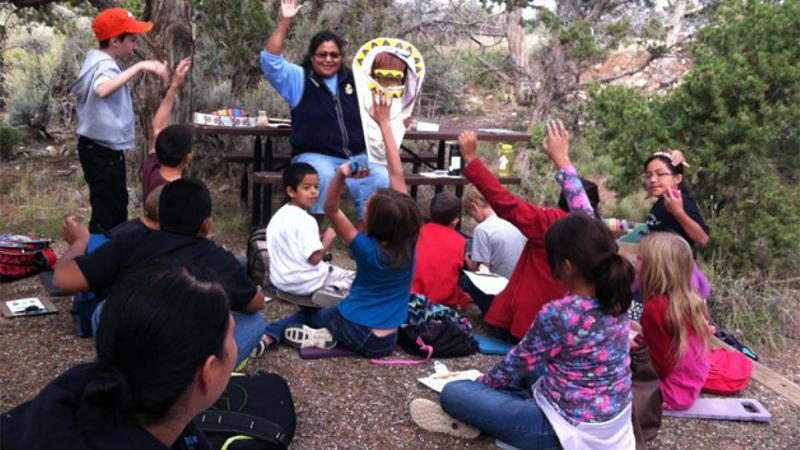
x=350, y=403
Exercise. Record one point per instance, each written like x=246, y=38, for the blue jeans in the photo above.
x=248, y=331
x=360, y=189
x=511, y=416
x=358, y=338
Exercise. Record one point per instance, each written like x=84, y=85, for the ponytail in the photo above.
x=590, y=247
x=613, y=284
x=158, y=327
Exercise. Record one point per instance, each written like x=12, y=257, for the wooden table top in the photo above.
x=445, y=133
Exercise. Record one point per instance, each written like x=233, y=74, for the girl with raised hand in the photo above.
x=675, y=211
x=152, y=376
x=674, y=320
x=366, y=321
x=568, y=381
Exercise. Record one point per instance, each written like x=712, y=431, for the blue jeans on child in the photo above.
x=510, y=415
x=360, y=189
x=358, y=338
x=247, y=332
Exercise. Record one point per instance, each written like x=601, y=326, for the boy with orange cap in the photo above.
x=105, y=114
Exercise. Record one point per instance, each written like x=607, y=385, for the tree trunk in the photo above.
x=170, y=40
x=518, y=50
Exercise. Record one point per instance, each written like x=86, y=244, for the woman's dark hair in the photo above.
x=159, y=325
x=317, y=40
x=675, y=170
x=394, y=220
x=590, y=247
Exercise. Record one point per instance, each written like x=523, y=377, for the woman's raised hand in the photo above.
x=556, y=144
x=290, y=9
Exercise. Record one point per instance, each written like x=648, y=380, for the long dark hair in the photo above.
x=394, y=220
x=675, y=170
x=590, y=247
x=317, y=40
x=158, y=326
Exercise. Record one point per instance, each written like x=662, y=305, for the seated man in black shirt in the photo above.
x=185, y=220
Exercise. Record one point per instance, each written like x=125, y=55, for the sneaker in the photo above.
x=303, y=336
x=430, y=416
x=260, y=348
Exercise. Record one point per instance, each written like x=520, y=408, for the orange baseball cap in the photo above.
x=115, y=21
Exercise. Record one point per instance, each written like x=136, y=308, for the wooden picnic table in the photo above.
x=263, y=158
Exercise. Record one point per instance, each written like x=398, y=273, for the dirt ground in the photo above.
x=341, y=403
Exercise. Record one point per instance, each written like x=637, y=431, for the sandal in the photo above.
x=303, y=336
x=430, y=416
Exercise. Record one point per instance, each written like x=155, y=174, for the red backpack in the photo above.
x=21, y=256
x=730, y=372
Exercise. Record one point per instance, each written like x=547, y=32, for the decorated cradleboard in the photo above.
x=375, y=72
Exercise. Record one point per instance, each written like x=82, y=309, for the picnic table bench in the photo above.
x=264, y=161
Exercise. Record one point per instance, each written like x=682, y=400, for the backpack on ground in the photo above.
x=22, y=256
x=254, y=413
x=258, y=258
x=439, y=326
x=730, y=372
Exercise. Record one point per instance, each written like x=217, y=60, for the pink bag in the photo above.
x=730, y=372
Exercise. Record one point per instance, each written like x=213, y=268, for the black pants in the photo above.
x=104, y=172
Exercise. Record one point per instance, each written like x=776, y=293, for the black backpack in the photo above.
x=439, y=326
x=254, y=413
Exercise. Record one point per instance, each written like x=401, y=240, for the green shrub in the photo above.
x=9, y=136
x=736, y=115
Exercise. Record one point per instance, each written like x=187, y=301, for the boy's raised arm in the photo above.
x=161, y=119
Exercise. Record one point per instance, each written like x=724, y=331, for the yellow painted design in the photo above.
x=388, y=73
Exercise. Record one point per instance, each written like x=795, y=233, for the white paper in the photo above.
x=17, y=307
x=496, y=130
x=438, y=174
x=488, y=283
x=427, y=126
x=440, y=377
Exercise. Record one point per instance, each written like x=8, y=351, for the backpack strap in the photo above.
x=239, y=423
x=407, y=362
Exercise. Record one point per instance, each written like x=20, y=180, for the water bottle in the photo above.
x=456, y=162
x=505, y=160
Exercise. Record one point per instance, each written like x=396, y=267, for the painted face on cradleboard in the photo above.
x=307, y=192
x=659, y=177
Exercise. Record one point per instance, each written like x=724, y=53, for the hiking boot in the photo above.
x=328, y=296
x=302, y=336
x=430, y=416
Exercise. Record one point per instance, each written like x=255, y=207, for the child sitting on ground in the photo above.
x=440, y=254
x=367, y=320
x=568, y=381
x=293, y=239
x=496, y=244
x=531, y=284
x=674, y=320
x=676, y=211
x=170, y=147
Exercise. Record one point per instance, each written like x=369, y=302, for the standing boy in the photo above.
x=105, y=114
